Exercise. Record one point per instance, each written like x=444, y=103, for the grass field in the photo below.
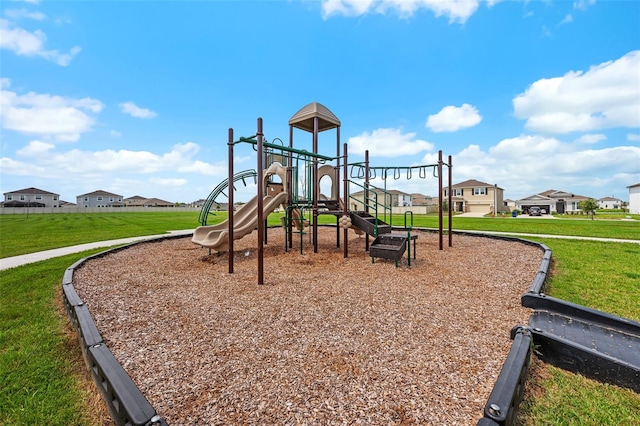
x=43, y=379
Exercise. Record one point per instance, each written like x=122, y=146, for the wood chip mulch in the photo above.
x=326, y=340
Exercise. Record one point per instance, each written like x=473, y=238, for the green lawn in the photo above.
x=39, y=379
x=37, y=232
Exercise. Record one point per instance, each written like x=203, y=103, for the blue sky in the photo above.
x=136, y=97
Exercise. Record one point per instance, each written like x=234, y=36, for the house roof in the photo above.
x=471, y=183
x=418, y=199
x=100, y=193
x=34, y=191
x=634, y=185
x=552, y=195
x=609, y=199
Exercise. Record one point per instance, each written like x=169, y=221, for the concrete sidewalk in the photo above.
x=12, y=262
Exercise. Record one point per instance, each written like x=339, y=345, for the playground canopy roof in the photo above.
x=303, y=119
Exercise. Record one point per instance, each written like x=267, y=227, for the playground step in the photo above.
x=367, y=223
x=388, y=246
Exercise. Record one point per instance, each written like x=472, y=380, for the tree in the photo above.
x=588, y=206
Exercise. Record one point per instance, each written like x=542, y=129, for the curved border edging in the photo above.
x=128, y=406
x=124, y=400
x=503, y=403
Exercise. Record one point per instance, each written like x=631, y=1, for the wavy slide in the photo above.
x=245, y=221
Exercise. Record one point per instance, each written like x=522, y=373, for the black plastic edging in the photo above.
x=503, y=402
x=128, y=406
x=604, y=319
x=125, y=403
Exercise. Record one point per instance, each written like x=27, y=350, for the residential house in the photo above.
x=99, y=199
x=610, y=203
x=418, y=199
x=393, y=198
x=138, y=201
x=31, y=197
x=473, y=196
x=135, y=201
x=553, y=201
x=634, y=198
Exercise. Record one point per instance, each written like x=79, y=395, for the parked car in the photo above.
x=535, y=211
x=543, y=211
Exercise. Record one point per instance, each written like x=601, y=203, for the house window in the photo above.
x=111, y=199
x=9, y=197
x=55, y=198
x=480, y=191
x=99, y=198
x=22, y=198
x=86, y=199
x=457, y=192
x=38, y=197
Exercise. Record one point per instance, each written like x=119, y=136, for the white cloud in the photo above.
x=529, y=164
x=583, y=4
x=567, y=19
x=135, y=111
x=456, y=10
x=115, y=133
x=43, y=114
x=35, y=148
x=175, y=182
x=452, y=119
x=591, y=138
x=388, y=143
x=25, y=43
x=633, y=137
x=50, y=164
x=24, y=13
x=605, y=96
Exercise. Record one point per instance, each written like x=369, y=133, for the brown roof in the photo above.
x=553, y=193
x=471, y=183
x=31, y=191
x=100, y=192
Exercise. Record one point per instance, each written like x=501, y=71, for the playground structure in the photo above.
x=300, y=168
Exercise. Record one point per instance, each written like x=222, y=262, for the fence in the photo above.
x=68, y=210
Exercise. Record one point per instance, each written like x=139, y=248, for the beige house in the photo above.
x=473, y=196
x=138, y=201
x=393, y=198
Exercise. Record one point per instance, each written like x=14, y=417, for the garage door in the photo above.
x=478, y=208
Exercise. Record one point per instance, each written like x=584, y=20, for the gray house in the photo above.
x=99, y=199
x=31, y=197
x=553, y=201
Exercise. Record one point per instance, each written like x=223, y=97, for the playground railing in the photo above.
x=370, y=201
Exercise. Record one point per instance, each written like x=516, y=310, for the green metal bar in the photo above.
x=287, y=149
